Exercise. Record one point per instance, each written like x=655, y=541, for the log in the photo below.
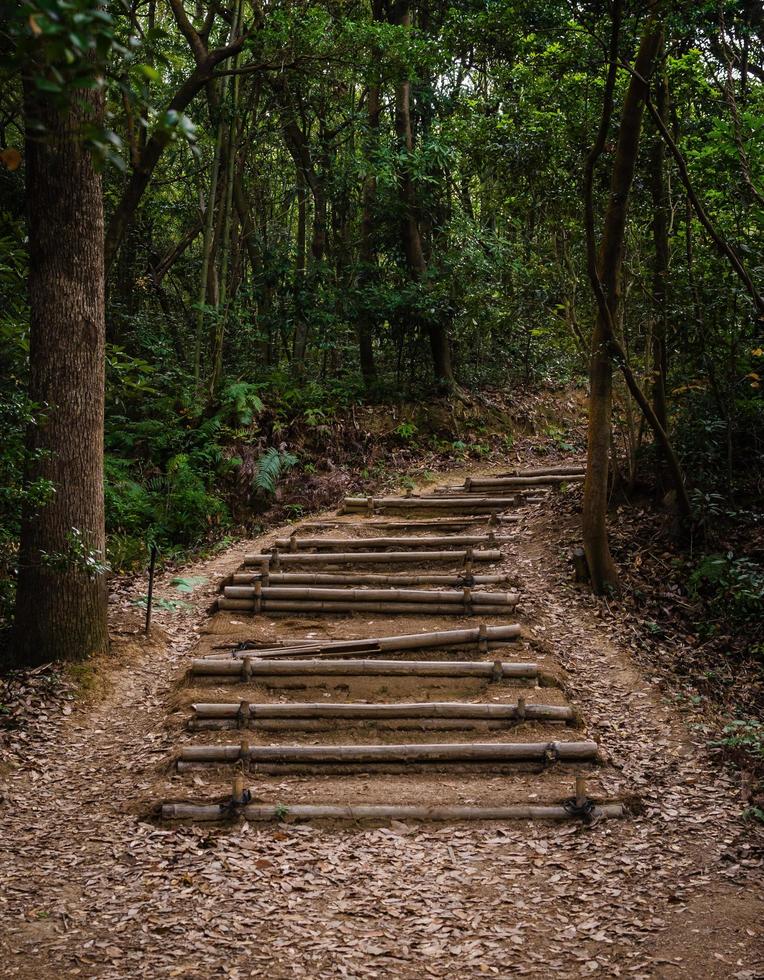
x=240, y=667
x=410, y=752
x=483, y=637
x=364, y=712
x=460, y=597
x=272, y=607
x=372, y=544
x=458, y=580
x=258, y=812
x=373, y=557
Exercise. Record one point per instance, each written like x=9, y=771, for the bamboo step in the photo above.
x=468, y=503
x=482, y=637
x=246, y=668
x=320, y=716
x=424, y=524
x=574, y=469
x=295, y=543
x=459, y=580
x=276, y=559
x=408, y=754
x=277, y=607
x=267, y=599
x=439, y=596
x=483, y=484
x=260, y=812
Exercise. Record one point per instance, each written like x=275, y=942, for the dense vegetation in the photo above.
x=310, y=205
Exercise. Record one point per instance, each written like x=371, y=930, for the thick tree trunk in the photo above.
x=608, y=282
x=60, y=606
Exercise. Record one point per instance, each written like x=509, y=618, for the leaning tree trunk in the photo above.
x=61, y=597
x=607, y=282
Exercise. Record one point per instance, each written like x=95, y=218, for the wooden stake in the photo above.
x=581, y=791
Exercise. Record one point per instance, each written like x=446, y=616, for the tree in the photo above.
x=61, y=595
x=440, y=347
x=606, y=274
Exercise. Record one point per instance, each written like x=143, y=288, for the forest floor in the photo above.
x=92, y=885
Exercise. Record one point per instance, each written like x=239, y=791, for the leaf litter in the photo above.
x=89, y=887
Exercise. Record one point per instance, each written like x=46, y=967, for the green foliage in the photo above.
x=78, y=554
x=270, y=466
x=746, y=734
x=406, y=431
x=730, y=588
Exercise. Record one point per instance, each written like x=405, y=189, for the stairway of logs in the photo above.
x=441, y=724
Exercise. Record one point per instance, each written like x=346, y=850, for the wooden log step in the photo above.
x=259, y=812
x=372, y=557
x=439, y=596
x=295, y=543
x=410, y=753
x=482, y=637
x=243, y=712
x=276, y=607
x=246, y=668
x=459, y=580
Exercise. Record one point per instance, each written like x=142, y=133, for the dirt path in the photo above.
x=89, y=887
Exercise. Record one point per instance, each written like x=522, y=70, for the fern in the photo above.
x=241, y=401
x=270, y=466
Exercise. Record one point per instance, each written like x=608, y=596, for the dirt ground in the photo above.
x=93, y=885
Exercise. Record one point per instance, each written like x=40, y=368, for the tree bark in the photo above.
x=60, y=605
x=412, y=239
x=368, y=252
x=607, y=283
x=659, y=190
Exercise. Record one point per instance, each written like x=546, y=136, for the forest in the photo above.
x=301, y=207
x=275, y=271
x=224, y=227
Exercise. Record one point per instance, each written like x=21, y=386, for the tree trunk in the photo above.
x=659, y=190
x=607, y=283
x=412, y=238
x=300, y=340
x=60, y=603
x=368, y=252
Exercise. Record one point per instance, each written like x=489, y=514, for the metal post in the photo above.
x=150, y=597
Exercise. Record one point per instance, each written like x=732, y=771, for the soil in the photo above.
x=92, y=884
